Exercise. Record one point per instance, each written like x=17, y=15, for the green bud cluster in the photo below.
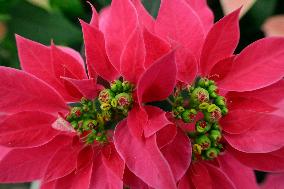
x=118, y=98
x=201, y=99
x=92, y=118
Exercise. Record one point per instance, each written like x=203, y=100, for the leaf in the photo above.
x=152, y=6
x=70, y=7
x=42, y=26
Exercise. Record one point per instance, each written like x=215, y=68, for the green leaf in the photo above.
x=152, y=6
x=70, y=7
x=261, y=10
x=42, y=26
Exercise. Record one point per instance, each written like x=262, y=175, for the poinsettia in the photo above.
x=117, y=45
x=233, y=102
x=41, y=143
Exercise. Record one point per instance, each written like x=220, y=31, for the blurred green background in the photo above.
x=43, y=20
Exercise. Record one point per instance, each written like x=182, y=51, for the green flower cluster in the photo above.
x=203, y=101
x=92, y=118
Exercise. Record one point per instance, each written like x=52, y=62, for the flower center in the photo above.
x=93, y=118
x=201, y=104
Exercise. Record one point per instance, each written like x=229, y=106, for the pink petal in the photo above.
x=221, y=41
x=241, y=176
x=132, y=181
x=62, y=163
x=257, y=66
x=104, y=18
x=37, y=60
x=112, y=160
x=144, y=17
x=95, y=17
x=158, y=80
x=271, y=95
x=176, y=20
x=76, y=56
x=121, y=22
x=203, y=11
x=241, y=121
x=244, y=110
x=229, y=6
x=85, y=157
x=155, y=47
x=166, y=135
x=133, y=57
x=65, y=64
x=4, y=151
x=219, y=178
x=241, y=101
x=187, y=66
x=136, y=121
x=178, y=154
x=30, y=163
x=275, y=181
x=273, y=161
x=185, y=182
x=200, y=176
x=156, y=120
x=97, y=60
x=274, y=26
x=82, y=178
x=152, y=168
x=20, y=91
x=27, y=129
x=87, y=87
x=221, y=69
x=104, y=176
x=265, y=136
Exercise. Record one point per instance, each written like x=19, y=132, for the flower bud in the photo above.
x=203, y=82
x=212, y=88
x=180, y=109
x=124, y=101
x=215, y=135
x=188, y=116
x=199, y=95
x=212, y=153
x=220, y=101
x=216, y=126
x=213, y=95
x=106, y=96
x=203, y=106
x=126, y=86
x=76, y=112
x=105, y=106
x=88, y=124
x=203, y=141
x=213, y=113
x=202, y=126
x=197, y=149
x=116, y=86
